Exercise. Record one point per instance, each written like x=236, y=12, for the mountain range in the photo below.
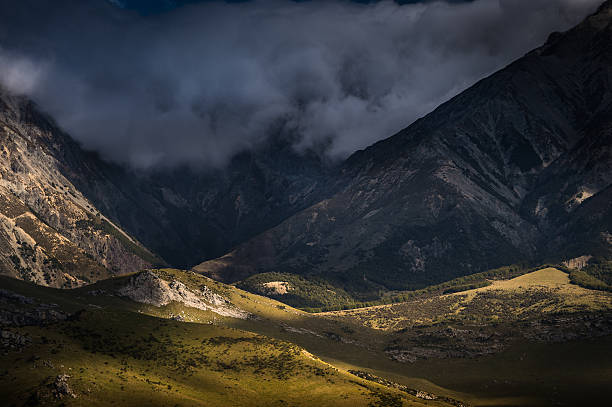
x=464, y=261
x=516, y=169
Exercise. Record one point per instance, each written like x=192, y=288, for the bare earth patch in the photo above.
x=277, y=287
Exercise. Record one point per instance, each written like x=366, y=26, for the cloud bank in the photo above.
x=202, y=82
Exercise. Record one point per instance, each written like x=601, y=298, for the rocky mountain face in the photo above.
x=189, y=215
x=65, y=210
x=516, y=168
x=572, y=199
x=50, y=233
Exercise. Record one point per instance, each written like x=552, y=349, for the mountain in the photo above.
x=50, y=233
x=517, y=169
x=189, y=215
x=91, y=208
x=572, y=195
x=514, y=169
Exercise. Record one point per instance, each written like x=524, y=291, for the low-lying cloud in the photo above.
x=198, y=84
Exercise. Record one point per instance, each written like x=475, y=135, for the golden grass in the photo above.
x=479, y=381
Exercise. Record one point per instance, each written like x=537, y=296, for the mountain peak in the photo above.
x=494, y=172
x=605, y=7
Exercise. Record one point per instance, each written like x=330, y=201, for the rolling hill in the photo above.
x=174, y=337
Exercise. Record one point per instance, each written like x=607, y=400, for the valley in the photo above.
x=158, y=331
x=464, y=261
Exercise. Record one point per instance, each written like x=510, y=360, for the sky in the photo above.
x=158, y=6
x=198, y=83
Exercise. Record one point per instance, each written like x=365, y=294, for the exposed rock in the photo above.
x=578, y=263
x=276, y=287
x=456, y=351
x=50, y=233
x=18, y=310
x=448, y=342
x=6, y=295
x=35, y=316
x=562, y=328
x=301, y=331
x=148, y=288
x=12, y=340
x=61, y=388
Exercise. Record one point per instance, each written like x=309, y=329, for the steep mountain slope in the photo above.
x=498, y=174
x=189, y=215
x=185, y=215
x=49, y=232
x=571, y=194
x=454, y=193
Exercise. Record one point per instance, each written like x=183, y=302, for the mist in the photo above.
x=196, y=85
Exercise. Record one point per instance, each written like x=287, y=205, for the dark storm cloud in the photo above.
x=202, y=82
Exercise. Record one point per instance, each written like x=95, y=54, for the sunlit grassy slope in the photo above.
x=522, y=316
x=130, y=353
x=134, y=360
x=545, y=291
x=116, y=354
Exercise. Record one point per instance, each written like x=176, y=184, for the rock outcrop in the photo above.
x=12, y=341
x=61, y=388
x=148, y=288
x=18, y=310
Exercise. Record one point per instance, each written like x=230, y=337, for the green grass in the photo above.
x=459, y=284
x=316, y=295
x=127, y=359
x=124, y=353
x=313, y=293
x=127, y=353
x=585, y=279
x=597, y=275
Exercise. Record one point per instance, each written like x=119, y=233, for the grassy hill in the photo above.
x=115, y=354
x=231, y=347
x=133, y=360
x=318, y=295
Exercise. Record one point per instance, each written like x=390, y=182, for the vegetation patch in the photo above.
x=101, y=358
x=414, y=392
x=597, y=275
x=297, y=291
x=317, y=295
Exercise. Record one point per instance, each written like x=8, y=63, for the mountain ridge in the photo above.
x=470, y=187
x=452, y=193
x=51, y=233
